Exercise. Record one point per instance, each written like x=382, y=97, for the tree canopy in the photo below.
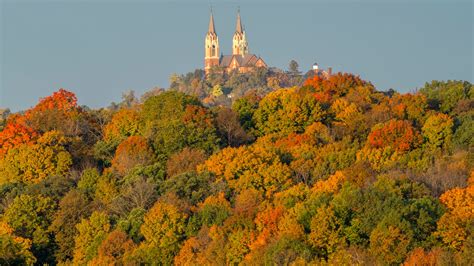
x=259, y=168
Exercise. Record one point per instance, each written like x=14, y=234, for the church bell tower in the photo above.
x=239, y=41
x=211, y=47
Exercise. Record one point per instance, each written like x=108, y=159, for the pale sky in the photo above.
x=99, y=49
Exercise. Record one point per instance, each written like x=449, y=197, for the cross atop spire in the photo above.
x=238, y=27
x=211, y=29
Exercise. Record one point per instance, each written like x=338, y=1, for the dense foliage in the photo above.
x=324, y=171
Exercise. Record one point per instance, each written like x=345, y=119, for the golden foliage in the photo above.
x=331, y=185
x=33, y=163
x=390, y=244
x=249, y=167
x=455, y=226
x=124, y=123
x=163, y=226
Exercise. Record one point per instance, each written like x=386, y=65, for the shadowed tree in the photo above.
x=72, y=208
x=229, y=127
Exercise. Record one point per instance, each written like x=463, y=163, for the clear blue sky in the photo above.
x=98, y=49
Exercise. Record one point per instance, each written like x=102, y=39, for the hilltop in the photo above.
x=258, y=168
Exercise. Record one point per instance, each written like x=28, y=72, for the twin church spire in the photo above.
x=239, y=42
x=240, y=59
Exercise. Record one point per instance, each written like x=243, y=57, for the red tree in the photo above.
x=399, y=134
x=335, y=85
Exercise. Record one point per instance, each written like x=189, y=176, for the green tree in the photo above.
x=286, y=250
x=445, y=95
x=30, y=217
x=464, y=134
x=174, y=121
x=54, y=187
x=245, y=107
x=132, y=223
x=88, y=180
x=293, y=67
x=191, y=186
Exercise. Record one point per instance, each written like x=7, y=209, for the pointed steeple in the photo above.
x=211, y=46
x=212, y=29
x=238, y=27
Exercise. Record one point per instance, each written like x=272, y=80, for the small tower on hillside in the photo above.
x=239, y=41
x=211, y=46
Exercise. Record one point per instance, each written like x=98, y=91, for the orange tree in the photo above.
x=131, y=152
x=326, y=88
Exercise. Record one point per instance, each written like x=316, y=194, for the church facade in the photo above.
x=240, y=59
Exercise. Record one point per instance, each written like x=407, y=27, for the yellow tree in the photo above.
x=163, y=228
x=91, y=233
x=347, y=115
x=437, y=130
x=249, y=167
x=326, y=231
x=287, y=110
x=124, y=123
x=332, y=185
x=33, y=163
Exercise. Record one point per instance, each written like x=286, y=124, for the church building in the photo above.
x=240, y=60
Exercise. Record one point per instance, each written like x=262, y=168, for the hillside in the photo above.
x=221, y=88
x=290, y=169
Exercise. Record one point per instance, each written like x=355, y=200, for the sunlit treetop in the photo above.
x=398, y=134
x=335, y=85
x=61, y=99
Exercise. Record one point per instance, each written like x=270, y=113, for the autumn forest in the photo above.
x=264, y=168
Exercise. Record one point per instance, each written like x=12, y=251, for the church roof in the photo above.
x=249, y=59
x=225, y=60
x=246, y=60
